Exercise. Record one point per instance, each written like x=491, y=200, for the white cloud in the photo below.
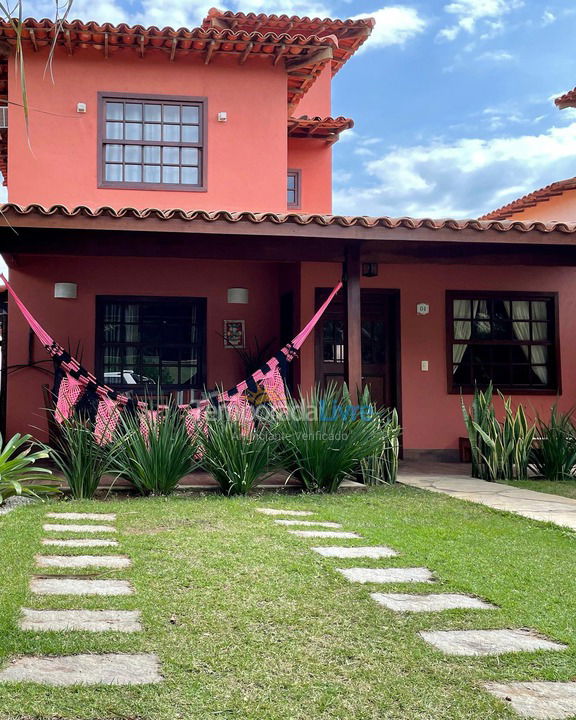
x=496, y=56
x=468, y=13
x=548, y=17
x=395, y=25
x=464, y=178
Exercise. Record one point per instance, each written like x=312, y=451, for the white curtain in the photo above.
x=521, y=326
x=462, y=329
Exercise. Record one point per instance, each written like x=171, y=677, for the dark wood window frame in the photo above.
x=553, y=343
x=102, y=300
x=297, y=175
x=201, y=145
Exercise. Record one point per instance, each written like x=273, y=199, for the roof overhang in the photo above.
x=318, y=128
x=567, y=100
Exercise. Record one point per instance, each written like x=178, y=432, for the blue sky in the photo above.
x=452, y=99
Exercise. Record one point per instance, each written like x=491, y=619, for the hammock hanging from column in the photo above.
x=75, y=387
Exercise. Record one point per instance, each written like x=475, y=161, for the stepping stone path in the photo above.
x=85, y=620
x=82, y=669
x=309, y=523
x=275, y=511
x=400, y=602
x=325, y=534
x=488, y=642
x=82, y=561
x=109, y=669
x=376, y=551
x=387, y=575
x=80, y=528
x=540, y=700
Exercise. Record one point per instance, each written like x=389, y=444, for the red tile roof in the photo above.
x=327, y=128
x=567, y=100
x=350, y=33
x=531, y=200
x=346, y=221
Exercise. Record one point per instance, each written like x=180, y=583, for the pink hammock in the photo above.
x=265, y=385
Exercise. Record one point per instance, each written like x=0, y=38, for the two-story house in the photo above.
x=176, y=184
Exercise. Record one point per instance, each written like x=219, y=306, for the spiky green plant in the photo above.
x=323, y=438
x=81, y=459
x=19, y=474
x=157, y=451
x=480, y=414
x=382, y=467
x=554, y=454
x=237, y=458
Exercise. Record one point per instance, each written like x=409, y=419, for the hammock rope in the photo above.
x=75, y=386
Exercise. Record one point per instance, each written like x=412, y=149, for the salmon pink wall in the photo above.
x=561, y=208
x=247, y=155
x=314, y=160
x=432, y=418
x=318, y=100
x=73, y=321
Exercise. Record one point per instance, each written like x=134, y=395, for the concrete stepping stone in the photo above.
x=82, y=561
x=488, y=642
x=539, y=700
x=80, y=542
x=387, y=575
x=82, y=516
x=109, y=669
x=400, y=602
x=80, y=528
x=310, y=523
x=79, y=586
x=275, y=511
x=325, y=534
x=84, y=620
x=374, y=551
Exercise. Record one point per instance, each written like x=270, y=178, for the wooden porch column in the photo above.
x=353, y=321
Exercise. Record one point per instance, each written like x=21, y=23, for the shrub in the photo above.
x=81, y=459
x=480, y=414
x=18, y=474
x=237, y=458
x=382, y=467
x=324, y=438
x=157, y=451
x=554, y=454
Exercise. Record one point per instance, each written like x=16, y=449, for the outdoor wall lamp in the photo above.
x=238, y=296
x=369, y=269
x=65, y=290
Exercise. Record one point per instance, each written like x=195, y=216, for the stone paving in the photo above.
x=82, y=669
x=538, y=700
x=276, y=511
x=309, y=523
x=449, y=479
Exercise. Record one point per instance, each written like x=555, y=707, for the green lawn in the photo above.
x=249, y=623
x=566, y=488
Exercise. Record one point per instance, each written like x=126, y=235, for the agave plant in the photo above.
x=324, y=437
x=554, y=454
x=481, y=414
x=382, y=467
x=81, y=459
x=19, y=474
x=236, y=458
x=157, y=451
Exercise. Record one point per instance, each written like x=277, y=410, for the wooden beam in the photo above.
x=141, y=44
x=68, y=42
x=353, y=322
x=33, y=39
x=315, y=58
x=106, y=45
x=281, y=51
x=173, y=49
x=210, y=52
x=246, y=52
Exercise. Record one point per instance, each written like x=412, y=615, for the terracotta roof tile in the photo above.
x=531, y=200
x=327, y=128
x=567, y=100
x=501, y=226
x=350, y=33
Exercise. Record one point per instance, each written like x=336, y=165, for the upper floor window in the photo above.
x=507, y=338
x=294, y=188
x=152, y=142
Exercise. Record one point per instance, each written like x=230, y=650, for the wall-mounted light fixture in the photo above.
x=238, y=296
x=369, y=269
x=66, y=291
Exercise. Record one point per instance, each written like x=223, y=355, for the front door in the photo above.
x=380, y=343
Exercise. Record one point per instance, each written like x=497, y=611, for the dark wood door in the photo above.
x=380, y=343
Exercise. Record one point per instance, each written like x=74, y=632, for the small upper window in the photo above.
x=509, y=339
x=153, y=143
x=294, y=188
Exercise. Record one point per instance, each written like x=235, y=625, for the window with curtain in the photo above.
x=143, y=341
x=507, y=338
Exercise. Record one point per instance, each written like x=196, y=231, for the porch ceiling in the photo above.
x=262, y=236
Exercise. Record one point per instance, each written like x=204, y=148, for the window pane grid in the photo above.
x=509, y=341
x=152, y=142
